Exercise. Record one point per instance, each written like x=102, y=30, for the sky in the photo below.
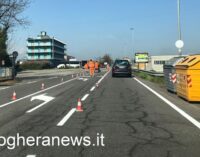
x=92, y=28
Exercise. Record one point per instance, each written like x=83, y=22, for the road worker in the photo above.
x=108, y=67
x=86, y=66
x=97, y=66
x=91, y=66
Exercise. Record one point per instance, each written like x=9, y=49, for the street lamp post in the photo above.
x=179, y=43
x=132, y=38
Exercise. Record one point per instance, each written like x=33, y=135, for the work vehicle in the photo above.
x=121, y=68
x=73, y=64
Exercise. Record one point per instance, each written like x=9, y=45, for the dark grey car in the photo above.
x=121, y=68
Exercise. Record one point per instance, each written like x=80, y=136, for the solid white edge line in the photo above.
x=69, y=114
x=92, y=88
x=31, y=156
x=6, y=104
x=180, y=111
x=84, y=97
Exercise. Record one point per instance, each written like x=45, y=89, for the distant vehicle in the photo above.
x=121, y=68
x=61, y=66
x=73, y=64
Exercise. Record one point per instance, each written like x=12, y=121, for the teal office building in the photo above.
x=45, y=48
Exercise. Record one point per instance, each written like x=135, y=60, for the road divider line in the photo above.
x=69, y=114
x=103, y=77
x=6, y=104
x=92, y=89
x=84, y=97
x=180, y=111
x=31, y=156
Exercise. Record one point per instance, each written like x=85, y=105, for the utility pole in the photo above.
x=179, y=43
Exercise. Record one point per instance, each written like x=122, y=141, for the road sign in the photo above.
x=141, y=57
x=179, y=44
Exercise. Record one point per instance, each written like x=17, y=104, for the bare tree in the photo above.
x=10, y=16
x=10, y=13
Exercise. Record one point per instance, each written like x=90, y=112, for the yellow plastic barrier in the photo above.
x=188, y=78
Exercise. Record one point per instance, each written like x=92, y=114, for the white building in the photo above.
x=156, y=62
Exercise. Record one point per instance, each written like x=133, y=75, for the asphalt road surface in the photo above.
x=120, y=115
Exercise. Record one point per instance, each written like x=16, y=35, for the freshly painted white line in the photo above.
x=103, y=77
x=180, y=111
x=85, y=79
x=84, y=97
x=31, y=156
x=4, y=88
x=92, y=88
x=35, y=108
x=6, y=104
x=42, y=97
x=69, y=114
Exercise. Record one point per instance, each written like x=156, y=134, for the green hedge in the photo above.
x=156, y=79
x=30, y=65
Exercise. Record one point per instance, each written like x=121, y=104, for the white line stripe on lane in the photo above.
x=180, y=111
x=31, y=156
x=92, y=88
x=6, y=104
x=84, y=97
x=103, y=77
x=4, y=88
x=69, y=114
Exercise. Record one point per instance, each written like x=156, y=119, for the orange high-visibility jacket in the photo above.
x=96, y=65
x=86, y=66
x=91, y=65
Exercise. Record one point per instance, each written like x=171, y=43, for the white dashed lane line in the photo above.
x=84, y=97
x=69, y=114
x=92, y=89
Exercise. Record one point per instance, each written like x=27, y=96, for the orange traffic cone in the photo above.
x=14, y=96
x=79, y=106
x=42, y=86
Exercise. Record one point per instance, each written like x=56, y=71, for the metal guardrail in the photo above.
x=5, y=73
x=152, y=73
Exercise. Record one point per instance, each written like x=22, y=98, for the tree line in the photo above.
x=10, y=17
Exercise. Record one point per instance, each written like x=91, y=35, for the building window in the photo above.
x=159, y=62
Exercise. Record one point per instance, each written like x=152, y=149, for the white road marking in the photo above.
x=85, y=79
x=84, y=97
x=180, y=111
x=31, y=156
x=4, y=88
x=69, y=114
x=103, y=77
x=92, y=88
x=42, y=97
x=6, y=104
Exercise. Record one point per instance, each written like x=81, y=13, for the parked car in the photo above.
x=121, y=68
x=61, y=66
